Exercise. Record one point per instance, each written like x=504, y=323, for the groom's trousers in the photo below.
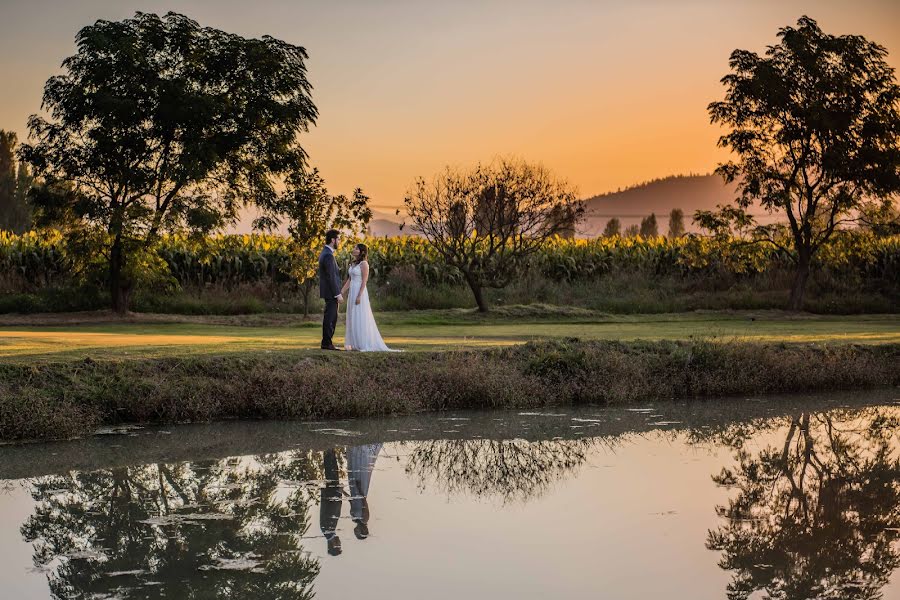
x=329, y=321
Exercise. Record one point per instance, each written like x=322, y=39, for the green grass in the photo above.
x=147, y=336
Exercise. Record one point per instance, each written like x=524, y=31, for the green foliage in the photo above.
x=159, y=124
x=310, y=211
x=407, y=272
x=815, y=126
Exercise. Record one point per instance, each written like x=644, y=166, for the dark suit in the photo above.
x=329, y=289
x=330, y=503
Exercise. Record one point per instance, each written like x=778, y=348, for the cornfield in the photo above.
x=38, y=259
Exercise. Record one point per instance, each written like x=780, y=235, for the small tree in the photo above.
x=487, y=221
x=649, y=227
x=309, y=211
x=162, y=124
x=613, y=228
x=815, y=125
x=632, y=231
x=676, y=223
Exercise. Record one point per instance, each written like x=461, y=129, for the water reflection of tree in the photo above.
x=512, y=470
x=816, y=515
x=223, y=528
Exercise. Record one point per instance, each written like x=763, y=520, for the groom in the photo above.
x=329, y=287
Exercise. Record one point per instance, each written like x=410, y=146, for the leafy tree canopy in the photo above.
x=815, y=127
x=161, y=123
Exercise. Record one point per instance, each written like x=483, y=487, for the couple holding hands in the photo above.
x=362, y=332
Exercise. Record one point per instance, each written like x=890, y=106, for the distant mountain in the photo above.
x=630, y=205
x=660, y=196
x=386, y=224
x=386, y=228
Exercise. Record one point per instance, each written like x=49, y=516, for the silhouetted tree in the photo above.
x=613, y=228
x=487, y=221
x=649, y=227
x=676, y=223
x=816, y=516
x=163, y=124
x=815, y=124
x=633, y=230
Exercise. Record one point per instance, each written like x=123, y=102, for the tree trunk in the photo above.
x=307, y=288
x=119, y=288
x=478, y=292
x=799, y=287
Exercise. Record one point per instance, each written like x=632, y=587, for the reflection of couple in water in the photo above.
x=360, y=463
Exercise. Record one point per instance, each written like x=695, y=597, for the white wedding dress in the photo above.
x=362, y=332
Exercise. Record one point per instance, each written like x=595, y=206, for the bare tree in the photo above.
x=488, y=220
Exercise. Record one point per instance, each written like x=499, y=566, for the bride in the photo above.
x=362, y=332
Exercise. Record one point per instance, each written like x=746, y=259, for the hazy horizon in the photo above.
x=607, y=95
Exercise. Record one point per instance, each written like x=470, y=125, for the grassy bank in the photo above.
x=102, y=336
x=74, y=397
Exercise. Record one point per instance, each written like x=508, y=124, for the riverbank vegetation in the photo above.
x=74, y=397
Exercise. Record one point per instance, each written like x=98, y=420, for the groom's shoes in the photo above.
x=331, y=347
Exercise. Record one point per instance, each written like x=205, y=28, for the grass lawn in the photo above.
x=428, y=330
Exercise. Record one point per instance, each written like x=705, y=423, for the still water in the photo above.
x=790, y=497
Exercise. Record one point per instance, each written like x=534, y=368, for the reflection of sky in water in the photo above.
x=591, y=514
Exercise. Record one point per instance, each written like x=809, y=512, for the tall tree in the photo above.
x=815, y=125
x=649, y=227
x=487, y=221
x=613, y=228
x=676, y=223
x=163, y=124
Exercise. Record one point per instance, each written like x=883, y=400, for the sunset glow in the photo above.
x=605, y=94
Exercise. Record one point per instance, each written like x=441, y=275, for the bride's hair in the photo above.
x=363, y=253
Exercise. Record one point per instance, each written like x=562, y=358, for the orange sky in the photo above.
x=605, y=93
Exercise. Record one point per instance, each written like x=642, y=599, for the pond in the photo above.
x=783, y=497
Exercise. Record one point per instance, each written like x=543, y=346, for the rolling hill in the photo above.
x=630, y=205
x=660, y=196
